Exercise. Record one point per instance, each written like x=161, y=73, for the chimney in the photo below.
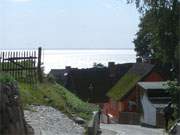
x=139, y=60
x=68, y=69
x=110, y=64
x=112, y=69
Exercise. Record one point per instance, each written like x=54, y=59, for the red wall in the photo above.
x=153, y=77
x=111, y=108
x=132, y=97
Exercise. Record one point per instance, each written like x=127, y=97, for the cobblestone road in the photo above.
x=130, y=130
x=49, y=121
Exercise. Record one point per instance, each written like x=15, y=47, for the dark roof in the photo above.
x=79, y=81
x=57, y=71
x=129, y=80
x=100, y=80
x=59, y=75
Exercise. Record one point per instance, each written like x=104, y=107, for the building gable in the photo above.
x=153, y=76
x=129, y=80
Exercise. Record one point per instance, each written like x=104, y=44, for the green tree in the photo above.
x=98, y=65
x=158, y=37
x=158, y=34
x=145, y=35
x=174, y=90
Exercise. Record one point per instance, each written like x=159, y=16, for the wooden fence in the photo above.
x=22, y=65
x=132, y=118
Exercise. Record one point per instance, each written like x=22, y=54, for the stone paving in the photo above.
x=130, y=130
x=108, y=132
x=49, y=121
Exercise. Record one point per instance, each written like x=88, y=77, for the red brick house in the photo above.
x=124, y=104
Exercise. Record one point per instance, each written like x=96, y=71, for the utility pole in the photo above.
x=178, y=60
x=91, y=89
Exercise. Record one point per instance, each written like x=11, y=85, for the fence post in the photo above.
x=39, y=70
x=0, y=62
x=3, y=61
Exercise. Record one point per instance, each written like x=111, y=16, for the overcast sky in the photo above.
x=67, y=24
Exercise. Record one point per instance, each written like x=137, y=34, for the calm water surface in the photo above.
x=58, y=59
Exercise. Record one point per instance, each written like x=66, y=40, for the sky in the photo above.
x=67, y=24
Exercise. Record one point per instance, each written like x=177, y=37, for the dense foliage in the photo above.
x=6, y=79
x=174, y=89
x=158, y=37
x=159, y=32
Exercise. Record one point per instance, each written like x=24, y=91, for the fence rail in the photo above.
x=22, y=65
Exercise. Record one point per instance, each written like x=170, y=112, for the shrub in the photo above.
x=6, y=79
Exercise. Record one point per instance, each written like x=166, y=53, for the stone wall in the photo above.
x=12, y=120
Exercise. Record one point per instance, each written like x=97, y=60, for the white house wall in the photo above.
x=149, y=116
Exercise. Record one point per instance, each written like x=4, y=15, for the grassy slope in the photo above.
x=55, y=95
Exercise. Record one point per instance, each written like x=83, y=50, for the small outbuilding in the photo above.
x=154, y=97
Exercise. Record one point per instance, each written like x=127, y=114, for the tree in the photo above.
x=145, y=35
x=155, y=36
x=98, y=65
x=158, y=35
x=174, y=90
x=145, y=5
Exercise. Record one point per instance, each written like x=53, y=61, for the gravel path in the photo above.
x=131, y=130
x=49, y=121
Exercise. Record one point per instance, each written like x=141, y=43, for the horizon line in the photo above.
x=68, y=48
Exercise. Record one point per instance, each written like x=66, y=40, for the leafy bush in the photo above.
x=6, y=79
x=174, y=90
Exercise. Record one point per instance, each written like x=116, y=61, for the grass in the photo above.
x=126, y=83
x=53, y=94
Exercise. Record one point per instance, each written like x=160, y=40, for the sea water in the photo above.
x=59, y=59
